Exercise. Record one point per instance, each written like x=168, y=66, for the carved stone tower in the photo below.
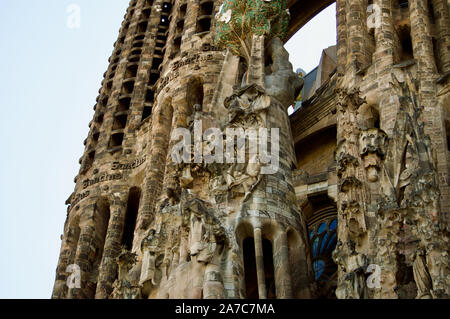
x=353, y=203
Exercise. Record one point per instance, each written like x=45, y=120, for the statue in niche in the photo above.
x=151, y=272
x=372, y=145
x=353, y=265
x=204, y=246
x=196, y=116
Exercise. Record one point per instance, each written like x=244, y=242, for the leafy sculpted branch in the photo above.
x=239, y=20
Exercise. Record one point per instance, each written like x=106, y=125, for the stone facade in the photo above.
x=357, y=206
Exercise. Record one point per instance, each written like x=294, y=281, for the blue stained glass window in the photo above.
x=319, y=267
x=316, y=246
x=324, y=242
x=322, y=228
x=332, y=242
x=333, y=224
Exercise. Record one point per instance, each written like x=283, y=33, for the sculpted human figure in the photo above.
x=151, y=273
x=354, y=266
x=126, y=287
x=422, y=276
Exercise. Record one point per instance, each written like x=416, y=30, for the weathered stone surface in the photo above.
x=355, y=206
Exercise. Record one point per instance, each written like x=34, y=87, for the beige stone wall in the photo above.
x=164, y=65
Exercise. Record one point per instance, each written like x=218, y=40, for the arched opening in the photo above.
x=314, y=24
x=134, y=198
x=269, y=270
x=242, y=70
x=251, y=278
x=194, y=94
x=405, y=43
x=322, y=230
x=205, y=16
x=368, y=117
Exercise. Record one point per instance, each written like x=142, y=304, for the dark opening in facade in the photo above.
x=90, y=160
x=241, y=71
x=156, y=63
x=176, y=45
x=128, y=87
x=203, y=24
x=116, y=140
x=124, y=104
x=269, y=269
x=95, y=137
x=161, y=37
x=120, y=122
x=437, y=59
x=431, y=12
x=150, y=96
x=154, y=76
x=109, y=86
x=251, y=278
x=183, y=10
x=131, y=216
x=194, y=93
x=403, y=4
x=165, y=21
x=166, y=7
x=146, y=112
x=104, y=101
x=404, y=35
x=138, y=44
x=142, y=27
x=99, y=118
x=131, y=71
x=206, y=7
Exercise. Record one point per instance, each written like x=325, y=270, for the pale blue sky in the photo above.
x=49, y=80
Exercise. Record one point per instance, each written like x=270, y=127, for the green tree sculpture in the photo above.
x=239, y=20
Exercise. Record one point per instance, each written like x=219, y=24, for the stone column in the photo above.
x=108, y=267
x=384, y=35
x=385, y=56
x=159, y=140
x=85, y=246
x=421, y=39
x=260, y=264
x=441, y=14
x=427, y=75
x=283, y=280
x=341, y=17
x=357, y=33
x=66, y=258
